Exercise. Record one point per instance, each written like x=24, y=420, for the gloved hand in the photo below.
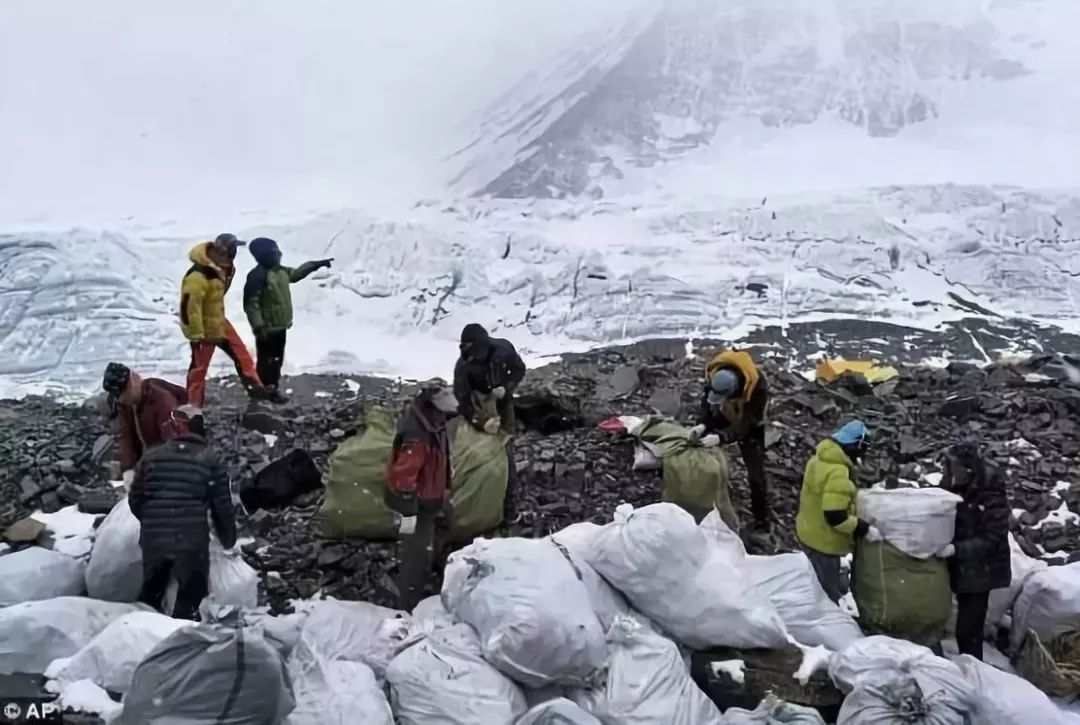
x=873, y=534
x=407, y=525
x=232, y=552
x=946, y=551
x=696, y=432
x=710, y=441
x=491, y=426
x=321, y=263
x=128, y=478
x=498, y=393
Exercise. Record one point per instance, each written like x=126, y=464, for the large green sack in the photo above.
x=354, y=504
x=899, y=595
x=481, y=470
x=695, y=478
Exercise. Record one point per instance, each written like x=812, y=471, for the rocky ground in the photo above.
x=1028, y=414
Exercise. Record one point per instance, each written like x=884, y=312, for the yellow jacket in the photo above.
x=202, y=297
x=827, y=486
x=752, y=401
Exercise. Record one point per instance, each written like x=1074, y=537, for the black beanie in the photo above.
x=116, y=378
x=474, y=333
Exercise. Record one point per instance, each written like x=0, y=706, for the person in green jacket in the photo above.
x=826, y=524
x=268, y=304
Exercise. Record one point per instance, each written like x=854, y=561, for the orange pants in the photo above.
x=203, y=352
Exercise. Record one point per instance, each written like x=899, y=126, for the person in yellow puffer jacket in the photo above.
x=202, y=317
x=733, y=410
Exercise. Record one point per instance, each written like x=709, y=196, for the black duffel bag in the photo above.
x=281, y=482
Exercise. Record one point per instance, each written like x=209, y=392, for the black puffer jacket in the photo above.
x=176, y=485
x=499, y=366
x=982, y=560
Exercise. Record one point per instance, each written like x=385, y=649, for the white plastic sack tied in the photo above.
x=527, y=600
x=354, y=631
x=1049, y=603
x=889, y=680
x=647, y=682
x=337, y=692
x=430, y=614
x=109, y=659
x=999, y=611
x=444, y=680
x=791, y=585
x=606, y=603
x=33, y=634
x=917, y=521
x=232, y=580
x=1004, y=699
x=34, y=574
x=114, y=573
x=559, y=711
x=688, y=585
x=772, y=711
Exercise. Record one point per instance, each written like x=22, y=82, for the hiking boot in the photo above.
x=257, y=392
x=276, y=396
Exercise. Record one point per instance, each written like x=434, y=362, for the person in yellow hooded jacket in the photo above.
x=826, y=524
x=202, y=317
x=733, y=411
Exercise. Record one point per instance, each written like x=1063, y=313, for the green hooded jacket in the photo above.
x=827, y=486
x=267, y=298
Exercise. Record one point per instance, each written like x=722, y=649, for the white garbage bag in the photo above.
x=789, y=581
x=1004, y=699
x=357, y=632
x=886, y=677
x=209, y=675
x=527, y=600
x=999, y=611
x=719, y=533
x=109, y=659
x=917, y=521
x=559, y=711
x=644, y=460
x=430, y=614
x=578, y=538
x=34, y=574
x=282, y=631
x=772, y=711
x=646, y=682
x=689, y=586
x=337, y=692
x=233, y=582
x=444, y=680
x=33, y=634
x=115, y=573
x=1049, y=603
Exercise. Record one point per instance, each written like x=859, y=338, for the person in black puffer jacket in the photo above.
x=175, y=486
x=981, y=560
x=487, y=366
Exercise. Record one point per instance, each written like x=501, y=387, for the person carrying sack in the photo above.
x=418, y=485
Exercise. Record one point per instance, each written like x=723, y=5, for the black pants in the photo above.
x=191, y=570
x=416, y=560
x=752, y=448
x=270, y=354
x=827, y=568
x=971, y=622
x=510, y=501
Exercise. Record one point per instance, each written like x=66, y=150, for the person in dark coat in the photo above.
x=418, y=485
x=143, y=413
x=980, y=558
x=269, y=308
x=489, y=368
x=733, y=407
x=175, y=486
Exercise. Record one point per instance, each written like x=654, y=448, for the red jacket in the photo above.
x=420, y=458
x=149, y=423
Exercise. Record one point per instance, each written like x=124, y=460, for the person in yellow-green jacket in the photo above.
x=826, y=524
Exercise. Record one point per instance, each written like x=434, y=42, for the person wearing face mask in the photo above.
x=418, y=484
x=143, y=413
x=826, y=524
x=488, y=367
x=979, y=557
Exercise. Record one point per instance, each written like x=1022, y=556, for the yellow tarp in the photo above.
x=829, y=370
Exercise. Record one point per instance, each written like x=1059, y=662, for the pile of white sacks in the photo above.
x=589, y=626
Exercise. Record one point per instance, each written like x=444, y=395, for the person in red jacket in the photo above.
x=418, y=483
x=144, y=413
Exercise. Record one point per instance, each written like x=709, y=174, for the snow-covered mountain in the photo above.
x=590, y=174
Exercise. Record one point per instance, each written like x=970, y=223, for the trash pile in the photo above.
x=593, y=624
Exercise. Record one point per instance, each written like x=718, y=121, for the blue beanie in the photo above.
x=852, y=433
x=263, y=249
x=723, y=385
